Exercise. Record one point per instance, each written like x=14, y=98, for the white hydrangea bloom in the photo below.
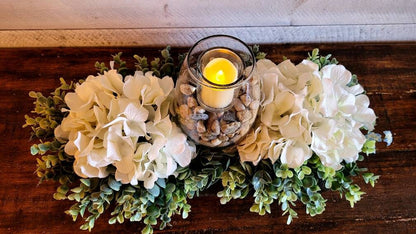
x=304, y=110
x=334, y=141
x=339, y=99
x=126, y=125
x=336, y=135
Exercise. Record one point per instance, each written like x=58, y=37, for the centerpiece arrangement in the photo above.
x=136, y=143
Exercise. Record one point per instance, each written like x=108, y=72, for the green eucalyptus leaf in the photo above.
x=82, y=210
x=59, y=196
x=86, y=182
x=112, y=220
x=63, y=189
x=155, y=191
x=76, y=190
x=170, y=188
x=34, y=149
x=114, y=185
x=289, y=219
x=161, y=182
x=147, y=230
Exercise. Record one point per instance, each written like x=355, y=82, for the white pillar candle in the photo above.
x=219, y=71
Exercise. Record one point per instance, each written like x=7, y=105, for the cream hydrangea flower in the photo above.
x=282, y=114
x=125, y=125
x=255, y=146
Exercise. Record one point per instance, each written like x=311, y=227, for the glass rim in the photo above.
x=240, y=80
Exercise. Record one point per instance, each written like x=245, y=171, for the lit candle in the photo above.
x=219, y=71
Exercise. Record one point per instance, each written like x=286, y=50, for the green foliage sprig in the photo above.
x=159, y=66
x=53, y=163
x=257, y=53
x=321, y=60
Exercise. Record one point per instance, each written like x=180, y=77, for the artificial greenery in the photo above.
x=266, y=182
x=53, y=163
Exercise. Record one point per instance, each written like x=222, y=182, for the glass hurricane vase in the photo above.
x=210, y=112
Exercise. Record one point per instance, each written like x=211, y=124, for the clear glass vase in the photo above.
x=216, y=96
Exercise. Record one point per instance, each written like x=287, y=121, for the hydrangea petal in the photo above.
x=356, y=89
x=132, y=86
x=75, y=103
x=112, y=81
x=307, y=66
x=347, y=104
x=98, y=158
x=270, y=83
x=163, y=128
x=83, y=143
x=337, y=73
x=166, y=84
x=164, y=165
x=264, y=65
x=162, y=111
x=142, y=150
x=294, y=153
x=158, y=144
x=178, y=147
x=100, y=116
x=149, y=179
x=125, y=165
x=276, y=147
x=83, y=169
x=329, y=105
x=254, y=147
x=289, y=72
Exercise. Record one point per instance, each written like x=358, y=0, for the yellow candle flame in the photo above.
x=220, y=77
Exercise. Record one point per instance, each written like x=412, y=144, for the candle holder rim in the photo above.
x=215, y=85
x=210, y=84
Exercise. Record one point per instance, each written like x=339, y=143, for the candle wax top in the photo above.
x=220, y=71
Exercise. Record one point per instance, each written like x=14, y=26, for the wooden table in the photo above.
x=387, y=71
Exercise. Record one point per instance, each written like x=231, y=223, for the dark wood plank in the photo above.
x=387, y=71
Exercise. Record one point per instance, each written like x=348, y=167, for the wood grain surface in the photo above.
x=387, y=71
